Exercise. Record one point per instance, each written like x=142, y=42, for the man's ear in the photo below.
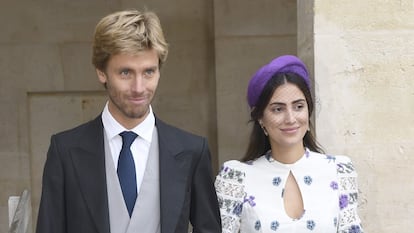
x=101, y=75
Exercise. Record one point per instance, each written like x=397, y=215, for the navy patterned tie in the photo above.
x=126, y=171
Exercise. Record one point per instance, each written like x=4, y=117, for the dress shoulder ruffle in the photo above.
x=349, y=220
x=230, y=193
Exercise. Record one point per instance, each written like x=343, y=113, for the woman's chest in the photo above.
x=264, y=208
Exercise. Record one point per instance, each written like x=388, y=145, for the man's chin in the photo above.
x=137, y=114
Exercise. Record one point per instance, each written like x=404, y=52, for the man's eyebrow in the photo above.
x=152, y=67
x=123, y=68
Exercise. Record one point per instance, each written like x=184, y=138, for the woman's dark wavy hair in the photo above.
x=259, y=143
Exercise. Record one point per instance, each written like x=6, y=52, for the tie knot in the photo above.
x=127, y=138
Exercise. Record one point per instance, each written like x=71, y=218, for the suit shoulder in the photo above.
x=177, y=132
x=80, y=129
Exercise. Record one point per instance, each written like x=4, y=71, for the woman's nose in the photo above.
x=290, y=116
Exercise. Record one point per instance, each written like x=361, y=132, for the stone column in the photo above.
x=364, y=67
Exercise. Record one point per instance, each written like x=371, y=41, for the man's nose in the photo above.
x=138, y=84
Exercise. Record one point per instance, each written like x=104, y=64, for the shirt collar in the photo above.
x=113, y=128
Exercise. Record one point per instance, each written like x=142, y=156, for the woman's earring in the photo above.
x=264, y=130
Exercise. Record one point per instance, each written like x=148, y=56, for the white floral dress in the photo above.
x=251, y=195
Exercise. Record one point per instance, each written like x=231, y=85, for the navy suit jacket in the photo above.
x=74, y=193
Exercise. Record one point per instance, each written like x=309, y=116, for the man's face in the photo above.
x=131, y=81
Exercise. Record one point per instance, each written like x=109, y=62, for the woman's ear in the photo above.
x=260, y=122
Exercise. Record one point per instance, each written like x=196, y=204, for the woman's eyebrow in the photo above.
x=298, y=101
x=293, y=102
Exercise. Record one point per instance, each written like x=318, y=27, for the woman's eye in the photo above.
x=299, y=107
x=277, y=109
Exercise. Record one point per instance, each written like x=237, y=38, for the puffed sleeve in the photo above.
x=349, y=220
x=230, y=194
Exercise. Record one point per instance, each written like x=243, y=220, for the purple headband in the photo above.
x=282, y=64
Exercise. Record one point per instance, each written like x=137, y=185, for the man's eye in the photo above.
x=149, y=72
x=124, y=72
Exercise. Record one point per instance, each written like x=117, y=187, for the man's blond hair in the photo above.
x=130, y=32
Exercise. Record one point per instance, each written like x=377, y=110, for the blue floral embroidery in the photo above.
x=343, y=201
x=334, y=185
x=354, y=229
x=274, y=225
x=308, y=180
x=228, y=173
x=250, y=200
x=225, y=169
x=307, y=153
x=257, y=225
x=345, y=168
x=330, y=158
x=268, y=156
x=230, y=206
x=353, y=198
x=238, y=209
x=335, y=221
x=277, y=181
x=310, y=224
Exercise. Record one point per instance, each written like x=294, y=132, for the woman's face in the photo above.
x=286, y=117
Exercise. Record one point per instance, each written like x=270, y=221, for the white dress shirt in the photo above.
x=140, y=146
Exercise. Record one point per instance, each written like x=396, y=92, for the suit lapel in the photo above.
x=173, y=177
x=89, y=164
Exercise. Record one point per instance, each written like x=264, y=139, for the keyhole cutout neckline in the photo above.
x=291, y=185
x=292, y=198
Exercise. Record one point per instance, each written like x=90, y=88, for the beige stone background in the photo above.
x=361, y=52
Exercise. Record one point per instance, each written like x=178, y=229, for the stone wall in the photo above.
x=248, y=34
x=364, y=69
